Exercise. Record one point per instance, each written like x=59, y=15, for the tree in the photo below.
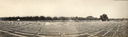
x=48, y=18
x=55, y=18
x=89, y=17
x=104, y=17
x=42, y=18
x=63, y=18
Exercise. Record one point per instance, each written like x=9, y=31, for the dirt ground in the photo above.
x=121, y=31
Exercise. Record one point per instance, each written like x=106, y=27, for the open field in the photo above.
x=64, y=29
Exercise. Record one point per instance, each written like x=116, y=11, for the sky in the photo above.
x=67, y=8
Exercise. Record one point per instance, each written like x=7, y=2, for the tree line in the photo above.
x=103, y=17
x=35, y=18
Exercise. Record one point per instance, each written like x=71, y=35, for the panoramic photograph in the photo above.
x=63, y=18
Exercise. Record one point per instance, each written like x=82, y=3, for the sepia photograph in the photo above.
x=63, y=18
